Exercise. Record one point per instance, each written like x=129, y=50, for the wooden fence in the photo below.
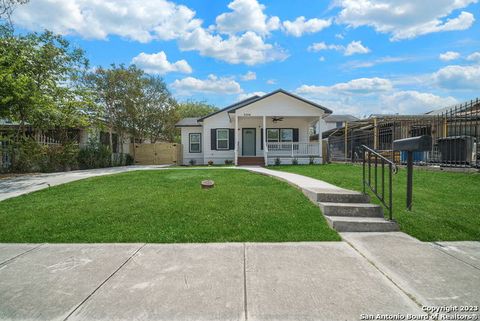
x=157, y=153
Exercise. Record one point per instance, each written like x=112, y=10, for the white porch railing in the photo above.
x=293, y=149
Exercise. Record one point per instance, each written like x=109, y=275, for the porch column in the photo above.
x=265, y=147
x=236, y=139
x=320, y=142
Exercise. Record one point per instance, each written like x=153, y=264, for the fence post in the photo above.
x=375, y=134
x=346, y=141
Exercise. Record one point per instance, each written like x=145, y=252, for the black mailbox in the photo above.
x=413, y=144
x=410, y=145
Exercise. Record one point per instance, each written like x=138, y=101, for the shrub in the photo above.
x=192, y=162
x=294, y=161
x=94, y=155
x=28, y=155
x=228, y=162
x=210, y=163
x=311, y=160
x=60, y=158
x=278, y=161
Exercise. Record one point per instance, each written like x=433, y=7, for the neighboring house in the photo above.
x=257, y=130
x=336, y=121
x=81, y=136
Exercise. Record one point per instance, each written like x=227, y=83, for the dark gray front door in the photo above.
x=248, y=142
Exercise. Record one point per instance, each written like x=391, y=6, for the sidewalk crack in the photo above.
x=21, y=254
x=105, y=281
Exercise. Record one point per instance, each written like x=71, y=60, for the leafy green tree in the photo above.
x=159, y=111
x=41, y=82
x=193, y=108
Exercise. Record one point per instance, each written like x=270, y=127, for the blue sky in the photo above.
x=353, y=56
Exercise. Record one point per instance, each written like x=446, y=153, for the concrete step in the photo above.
x=361, y=224
x=351, y=209
x=335, y=196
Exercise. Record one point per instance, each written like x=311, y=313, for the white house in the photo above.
x=258, y=130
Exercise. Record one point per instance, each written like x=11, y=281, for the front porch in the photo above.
x=267, y=140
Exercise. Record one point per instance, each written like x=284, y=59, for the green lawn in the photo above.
x=165, y=206
x=446, y=205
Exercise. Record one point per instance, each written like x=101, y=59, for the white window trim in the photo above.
x=278, y=135
x=223, y=139
x=190, y=143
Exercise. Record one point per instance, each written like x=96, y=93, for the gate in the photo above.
x=157, y=153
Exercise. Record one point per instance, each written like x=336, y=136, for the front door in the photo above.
x=248, y=142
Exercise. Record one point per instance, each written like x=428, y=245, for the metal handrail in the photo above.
x=392, y=169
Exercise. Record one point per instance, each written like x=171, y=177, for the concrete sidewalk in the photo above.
x=233, y=281
x=382, y=273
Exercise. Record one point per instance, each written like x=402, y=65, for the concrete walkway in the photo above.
x=372, y=273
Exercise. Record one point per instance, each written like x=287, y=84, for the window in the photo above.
x=286, y=135
x=279, y=135
x=222, y=139
x=339, y=124
x=195, y=140
x=272, y=135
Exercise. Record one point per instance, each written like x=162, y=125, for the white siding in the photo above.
x=220, y=120
x=187, y=156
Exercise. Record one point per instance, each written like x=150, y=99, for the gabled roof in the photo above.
x=235, y=105
x=188, y=122
x=328, y=111
x=338, y=118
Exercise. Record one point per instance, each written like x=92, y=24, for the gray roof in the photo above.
x=338, y=118
x=188, y=122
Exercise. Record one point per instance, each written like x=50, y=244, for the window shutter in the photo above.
x=231, y=139
x=261, y=139
x=295, y=134
x=213, y=139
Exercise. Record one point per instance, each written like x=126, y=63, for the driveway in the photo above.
x=369, y=274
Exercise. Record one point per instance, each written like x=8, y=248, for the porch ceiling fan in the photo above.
x=276, y=119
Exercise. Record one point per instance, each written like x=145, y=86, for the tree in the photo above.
x=41, y=82
x=7, y=7
x=159, y=111
x=195, y=109
x=118, y=91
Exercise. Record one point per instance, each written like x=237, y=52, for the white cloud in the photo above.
x=246, y=15
x=359, y=86
x=271, y=81
x=370, y=63
x=354, y=47
x=414, y=102
x=474, y=56
x=406, y=19
x=212, y=85
x=449, y=55
x=248, y=95
x=365, y=96
x=457, y=77
x=250, y=75
x=158, y=64
x=141, y=21
x=319, y=46
x=300, y=26
x=248, y=48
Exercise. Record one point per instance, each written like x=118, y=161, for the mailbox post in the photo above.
x=410, y=145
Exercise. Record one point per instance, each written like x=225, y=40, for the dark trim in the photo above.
x=228, y=139
x=237, y=104
x=254, y=141
x=325, y=109
x=190, y=145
